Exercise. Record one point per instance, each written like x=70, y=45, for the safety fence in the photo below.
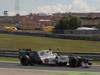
x=90, y=55
x=9, y=53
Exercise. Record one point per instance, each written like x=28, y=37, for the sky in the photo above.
x=49, y=6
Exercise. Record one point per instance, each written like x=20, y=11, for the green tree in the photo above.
x=68, y=22
x=98, y=25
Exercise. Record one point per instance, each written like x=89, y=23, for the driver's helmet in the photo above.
x=50, y=49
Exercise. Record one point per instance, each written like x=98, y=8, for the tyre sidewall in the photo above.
x=24, y=60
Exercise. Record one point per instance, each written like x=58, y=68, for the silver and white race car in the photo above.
x=48, y=57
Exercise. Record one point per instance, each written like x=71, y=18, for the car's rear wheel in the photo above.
x=24, y=60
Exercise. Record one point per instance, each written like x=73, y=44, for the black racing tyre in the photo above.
x=24, y=60
x=89, y=63
x=73, y=62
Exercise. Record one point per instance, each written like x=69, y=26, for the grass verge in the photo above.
x=11, y=41
x=68, y=72
x=9, y=59
x=83, y=73
x=96, y=62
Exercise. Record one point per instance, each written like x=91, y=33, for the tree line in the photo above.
x=69, y=22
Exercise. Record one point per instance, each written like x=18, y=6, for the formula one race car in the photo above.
x=48, y=57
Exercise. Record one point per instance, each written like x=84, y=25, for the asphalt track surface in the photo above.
x=46, y=67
